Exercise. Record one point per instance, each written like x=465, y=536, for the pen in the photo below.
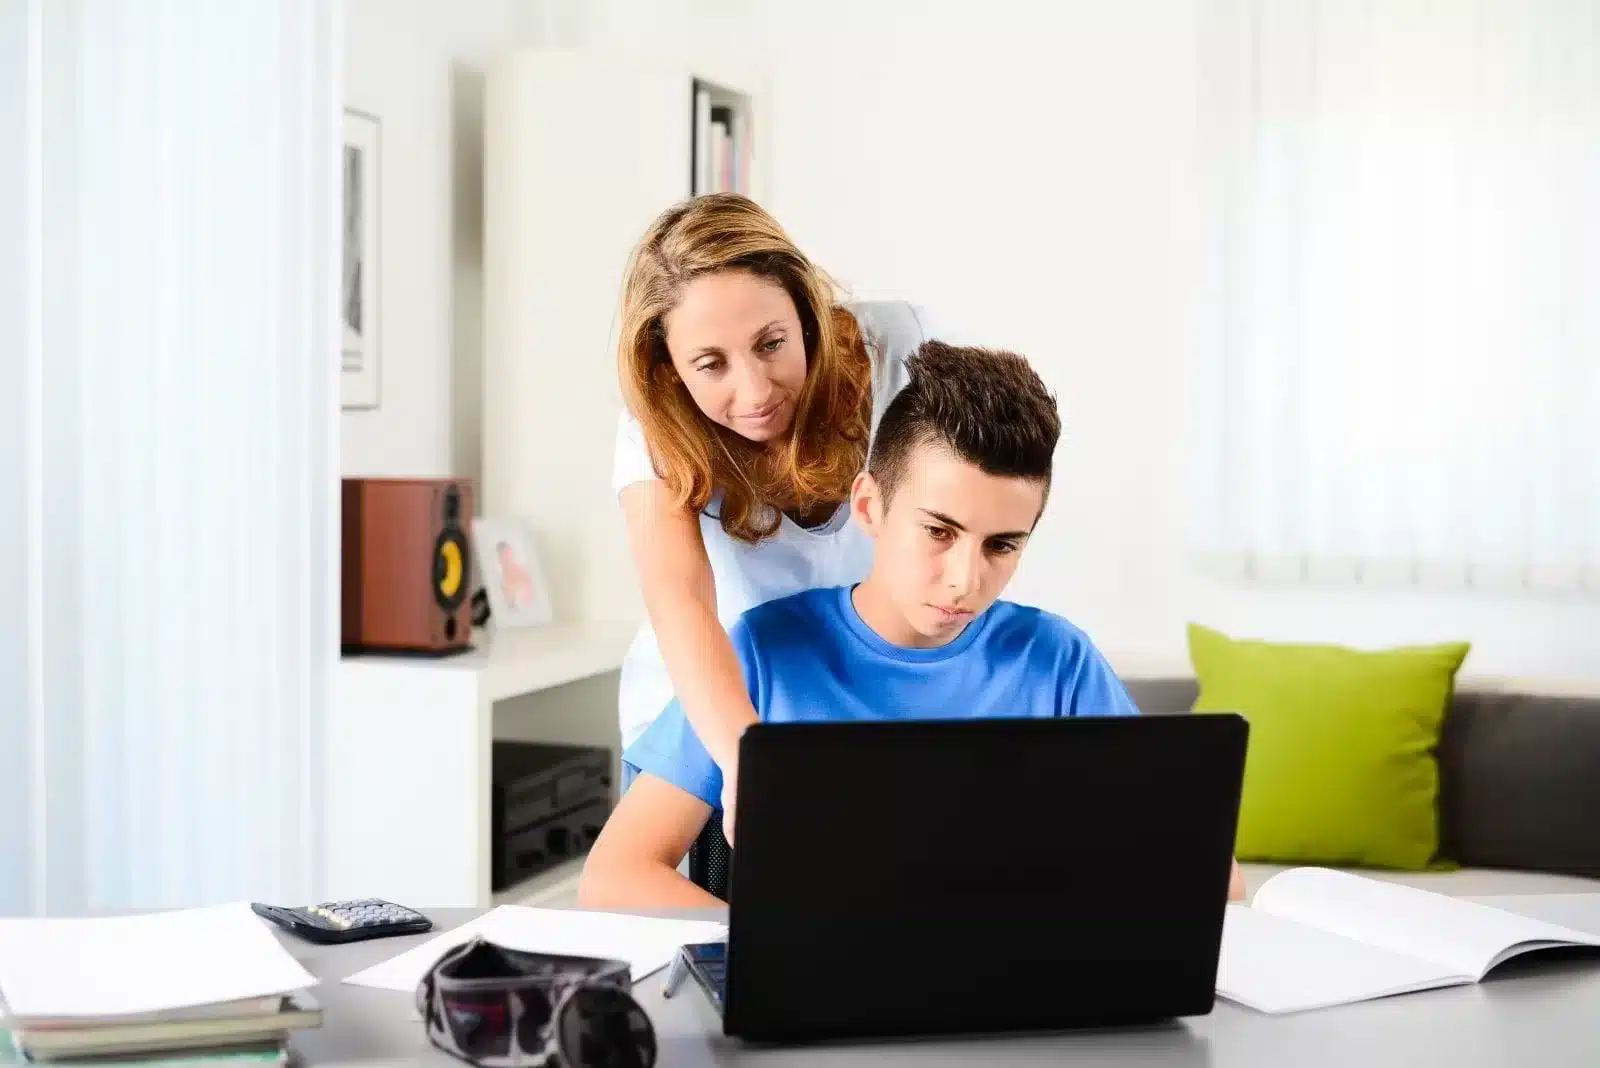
x=675, y=973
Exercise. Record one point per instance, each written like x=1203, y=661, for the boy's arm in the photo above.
x=634, y=863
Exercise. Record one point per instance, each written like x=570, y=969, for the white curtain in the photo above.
x=16, y=810
x=174, y=410
x=1406, y=291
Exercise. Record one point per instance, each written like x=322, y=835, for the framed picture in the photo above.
x=508, y=562
x=358, y=286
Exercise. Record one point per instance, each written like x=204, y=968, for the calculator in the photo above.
x=708, y=966
x=346, y=921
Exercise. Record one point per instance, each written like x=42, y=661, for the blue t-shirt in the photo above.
x=809, y=656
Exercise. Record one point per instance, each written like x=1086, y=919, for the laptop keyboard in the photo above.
x=710, y=969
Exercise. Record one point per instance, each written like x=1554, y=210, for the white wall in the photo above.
x=1024, y=169
x=414, y=64
x=417, y=65
x=1028, y=172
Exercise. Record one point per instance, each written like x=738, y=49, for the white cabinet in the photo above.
x=409, y=745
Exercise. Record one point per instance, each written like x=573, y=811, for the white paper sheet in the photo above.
x=646, y=944
x=152, y=962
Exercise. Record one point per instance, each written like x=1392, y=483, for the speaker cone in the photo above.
x=451, y=565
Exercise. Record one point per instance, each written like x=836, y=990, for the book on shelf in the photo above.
x=722, y=142
x=1314, y=938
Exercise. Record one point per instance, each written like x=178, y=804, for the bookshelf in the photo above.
x=722, y=139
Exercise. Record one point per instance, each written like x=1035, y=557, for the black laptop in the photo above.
x=976, y=876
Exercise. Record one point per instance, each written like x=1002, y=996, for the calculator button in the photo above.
x=359, y=913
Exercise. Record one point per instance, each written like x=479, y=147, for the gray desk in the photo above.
x=1541, y=1012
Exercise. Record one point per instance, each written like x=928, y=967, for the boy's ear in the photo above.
x=866, y=503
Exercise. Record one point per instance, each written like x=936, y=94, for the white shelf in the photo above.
x=409, y=758
x=524, y=661
x=511, y=663
x=550, y=888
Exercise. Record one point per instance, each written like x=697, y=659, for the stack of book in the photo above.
x=190, y=987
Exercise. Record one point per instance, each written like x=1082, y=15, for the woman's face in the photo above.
x=735, y=341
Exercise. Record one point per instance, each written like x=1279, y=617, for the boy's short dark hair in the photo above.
x=985, y=405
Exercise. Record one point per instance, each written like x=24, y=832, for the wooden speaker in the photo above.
x=407, y=566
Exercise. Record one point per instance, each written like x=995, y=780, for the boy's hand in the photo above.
x=730, y=786
x=1236, y=884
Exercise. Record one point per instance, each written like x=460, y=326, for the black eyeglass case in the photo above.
x=479, y=960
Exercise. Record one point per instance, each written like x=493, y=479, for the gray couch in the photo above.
x=1519, y=787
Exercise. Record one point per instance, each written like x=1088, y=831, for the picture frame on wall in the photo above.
x=359, y=351
x=512, y=575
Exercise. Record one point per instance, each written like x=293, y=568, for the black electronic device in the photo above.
x=988, y=875
x=547, y=804
x=346, y=921
x=707, y=964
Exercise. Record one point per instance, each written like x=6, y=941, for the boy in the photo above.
x=957, y=479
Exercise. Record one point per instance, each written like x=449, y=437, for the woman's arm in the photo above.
x=681, y=598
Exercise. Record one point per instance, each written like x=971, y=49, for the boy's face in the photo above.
x=947, y=542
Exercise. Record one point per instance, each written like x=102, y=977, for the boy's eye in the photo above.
x=1002, y=547
x=938, y=533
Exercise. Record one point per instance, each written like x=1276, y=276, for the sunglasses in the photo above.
x=505, y=1008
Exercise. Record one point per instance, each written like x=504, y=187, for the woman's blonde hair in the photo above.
x=695, y=456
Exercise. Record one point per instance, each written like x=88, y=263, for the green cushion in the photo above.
x=1341, y=767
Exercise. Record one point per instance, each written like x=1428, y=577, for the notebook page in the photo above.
x=645, y=943
x=1460, y=936
x=118, y=965
x=1275, y=965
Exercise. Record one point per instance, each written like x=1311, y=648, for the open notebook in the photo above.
x=1314, y=937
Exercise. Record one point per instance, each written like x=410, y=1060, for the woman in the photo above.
x=751, y=396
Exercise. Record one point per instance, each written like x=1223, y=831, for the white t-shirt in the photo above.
x=794, y=558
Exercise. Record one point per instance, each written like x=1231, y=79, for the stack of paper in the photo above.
x=212, y=978
x=646, y=944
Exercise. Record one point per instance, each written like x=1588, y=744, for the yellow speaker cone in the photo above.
x=450, y=582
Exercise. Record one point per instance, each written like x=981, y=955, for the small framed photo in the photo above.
x=358, y=288
x=508, y=561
